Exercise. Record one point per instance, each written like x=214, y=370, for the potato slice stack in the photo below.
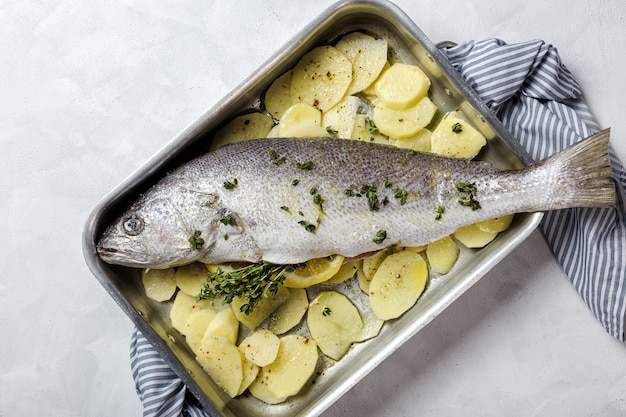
x=351, y=91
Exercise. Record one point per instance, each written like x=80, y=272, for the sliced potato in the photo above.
x=321, y=77
x=368, y=267
x=224, y=325
x=300, y=113
x=245, y=127
x=315, y=271
x=347, y=271
x=302, y=130
x=420, y=142
x=403, y=123
x=397, y=284
x=189, y=280
x=442, y=255
x=496, y=225
x=182, y=307
x=295, y=363
x=249, y=373
x=262, y=310
x=371, y=328
x=260, y=347
x=473, y=237
x=368, y=56
x=160, y=284
x=334, y=323
x=401, y=86
x=289, y=313
x=455, y=137
x=221, y=359
x=364, y=131
x=278, y=97
x=341, y=117
x=258, y=388
x=196, y=326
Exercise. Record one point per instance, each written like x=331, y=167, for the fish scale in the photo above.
x=279, y=222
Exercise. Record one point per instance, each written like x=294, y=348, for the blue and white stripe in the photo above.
x=540, y=102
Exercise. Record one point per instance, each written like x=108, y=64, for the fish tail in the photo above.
x=583, y=173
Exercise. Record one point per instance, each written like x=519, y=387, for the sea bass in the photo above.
x=287, y=200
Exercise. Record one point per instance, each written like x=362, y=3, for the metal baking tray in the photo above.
x=332, y=379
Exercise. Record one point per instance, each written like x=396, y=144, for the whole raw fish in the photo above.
x=286, y=201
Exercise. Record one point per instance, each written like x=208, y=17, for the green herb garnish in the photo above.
x=439, y=210
x=285, y=208
x=251, y=283
x=196, y=241
x=466, y=187
x=469, y=200
x=309, y=227
x=387, y=183
x=304, y=165
x=231, y=185
x=332, y=132
x=326, y=311
x=295, y=182
x=372, y=198
x=400, y=194
x=457, y=128
x=228, y=220
x=372, y=127
x=275, y=158
x=380, y=236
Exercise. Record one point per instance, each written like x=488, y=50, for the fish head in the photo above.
x=157, y=232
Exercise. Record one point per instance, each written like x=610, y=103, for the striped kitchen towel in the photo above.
x=540, y=102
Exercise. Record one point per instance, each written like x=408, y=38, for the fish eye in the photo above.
x=132, y=224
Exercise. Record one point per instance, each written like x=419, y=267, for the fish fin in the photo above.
x=583, y=173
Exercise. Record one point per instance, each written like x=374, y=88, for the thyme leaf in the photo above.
x=380, y=236
x=196, y=241
x=231, y=185
x=251, y=283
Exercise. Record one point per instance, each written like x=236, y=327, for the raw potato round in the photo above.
x=457, y=138
x=261, y=347
x=295, y=363
x=473, y=237
x=496, y=225
x=259, y=390
x=334, y=323
x=189, y=281
x=321, y=77
x=402, y=86
x=196, y=326
x=442, y=255
x=363, y=131
x=341, y=117
x=403, y=123
x=249, y=373
x=397, y=284
x=262, y=310
x=368, y=56
x=289, y=313
x=224, y=325
x=221, y=359
x=278, y=96
x=245, y=127
x=160, y=284
x=420, y=142
x=182, y=307
x=347, y=271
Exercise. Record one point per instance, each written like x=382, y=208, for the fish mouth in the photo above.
x=117, y=256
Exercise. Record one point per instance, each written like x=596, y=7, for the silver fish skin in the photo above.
x=283, y=213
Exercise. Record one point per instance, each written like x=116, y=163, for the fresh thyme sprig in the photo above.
x=251, y=283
